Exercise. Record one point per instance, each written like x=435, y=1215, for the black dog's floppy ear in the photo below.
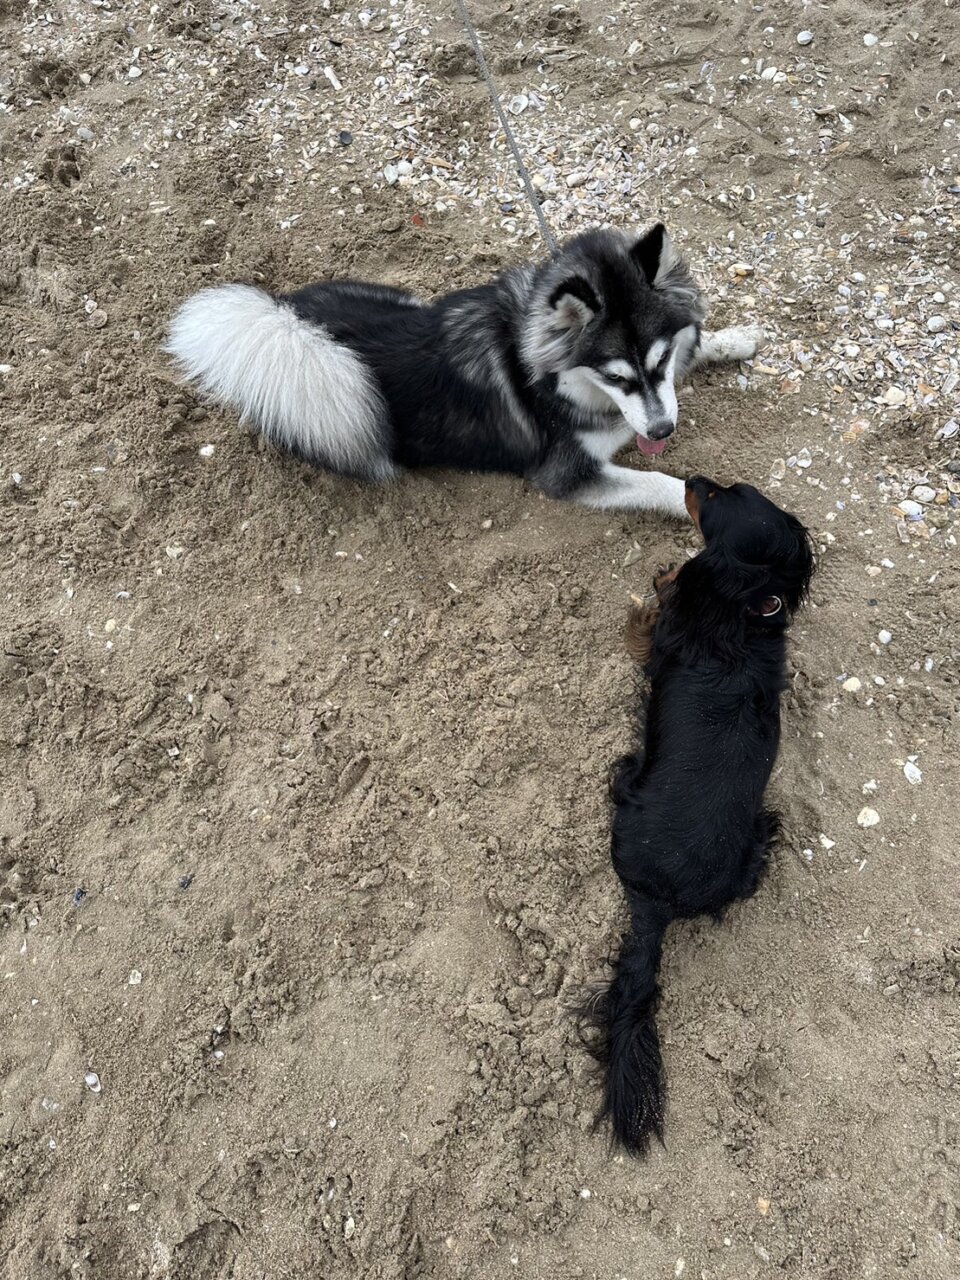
x=574, y=303
x=655, y=255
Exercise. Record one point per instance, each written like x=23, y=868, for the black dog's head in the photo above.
x=757, y=561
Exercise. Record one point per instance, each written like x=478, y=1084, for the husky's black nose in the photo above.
x=660, y=430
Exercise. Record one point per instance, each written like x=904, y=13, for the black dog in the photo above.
x=690, y=833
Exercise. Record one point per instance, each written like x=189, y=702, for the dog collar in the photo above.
x=769, y=609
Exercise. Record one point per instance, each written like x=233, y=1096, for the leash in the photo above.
x=548, y=237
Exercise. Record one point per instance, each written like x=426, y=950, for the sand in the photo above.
x=303, y=823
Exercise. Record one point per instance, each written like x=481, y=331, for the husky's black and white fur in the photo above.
x=546, y=372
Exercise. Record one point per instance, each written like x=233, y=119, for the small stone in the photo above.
x=804, y=459
x=868, y=817
x=486, y=524
x=912, y=773
x=92, y=1081
x=894, y=396
x=870, y=40
x=805, y=37
x=390, y=173
x=174, y=553
x=768, y=73
x=349, y=1228
x=884, y=637
x=98, y=319
x=851, y=685
x=345, y=137
x=778, y=470
x=110, y=625
x=577, y=179
x=207, y=450
x=586, y=1193
x=136, y=977
x=923, y=493
x=936, y=324
x=763, y=1205
x=85, y=134
x=5, y=369
x=910, y=508
x=826, y=842
x=134, y=73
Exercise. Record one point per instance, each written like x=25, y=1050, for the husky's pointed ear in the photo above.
x=574, y=304
x=654, y=254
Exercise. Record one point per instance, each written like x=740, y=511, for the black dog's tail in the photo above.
x=628, y=1044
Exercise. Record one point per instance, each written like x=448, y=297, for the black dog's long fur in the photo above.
x=690, y=831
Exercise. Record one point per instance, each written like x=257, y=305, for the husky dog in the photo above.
x=546, y=372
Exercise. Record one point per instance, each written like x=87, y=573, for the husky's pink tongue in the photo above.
x=650, y=447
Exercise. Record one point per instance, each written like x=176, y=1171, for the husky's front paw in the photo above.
x=672, y=497
x=739, y=342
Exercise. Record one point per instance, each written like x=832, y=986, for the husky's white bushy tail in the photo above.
x=306, y=392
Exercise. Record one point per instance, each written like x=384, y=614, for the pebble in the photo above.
x=92, y=1081
x=134, y=73
x=805, y=37
x=868, y=817
x=110, y=625
x=98, y=319
x=5, y=369
x=894, y=396
x=85, y=134
x=768, y=73
x=884, y=637
x=346, y=137
x=923, y=493
x=207, y=450
x=577, y=178
x=349, y=1227
x=912, y=773
x=852, y=685
x=136, y=977
x=909, y=507
x=390, y=173
x=870, y=40
x=936, y=324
